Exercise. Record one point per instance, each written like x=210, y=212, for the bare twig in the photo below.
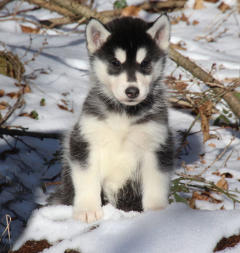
x=7, y=229
x=50, y=5
x=218, y=156
x=13, y=132
x=13, y=108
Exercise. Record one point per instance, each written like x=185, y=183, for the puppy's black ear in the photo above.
x=96, y=34
x=160, y=32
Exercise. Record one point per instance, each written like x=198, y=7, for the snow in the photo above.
x=175, y=229
x=56, y=69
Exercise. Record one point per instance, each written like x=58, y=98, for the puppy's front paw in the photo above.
x=87, y=215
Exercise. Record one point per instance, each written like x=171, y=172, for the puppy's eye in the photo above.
x=116, y=63
x=145, y=64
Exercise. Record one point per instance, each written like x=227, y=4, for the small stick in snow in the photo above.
x=218, y=156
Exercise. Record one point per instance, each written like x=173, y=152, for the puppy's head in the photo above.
x=127, y=56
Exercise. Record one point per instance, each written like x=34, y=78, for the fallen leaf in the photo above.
x=32, y=114
x=64, y=102
x=3, y=105
x=238, y=158
x=212, y=145
x=27, y=29
x=131, y=11
x=184, y=18
x=13, y=94
x=175, y=21
x=204, y=196
x=24, y=114
x=217, y=173
x=65, y=108
x=2, y=93
x=26, y=89
x=180, y=86
x=222, y=183
x=223, y=7
x=198, y=5
x=195, y=22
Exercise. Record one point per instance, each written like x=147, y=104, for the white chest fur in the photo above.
x=117, y=145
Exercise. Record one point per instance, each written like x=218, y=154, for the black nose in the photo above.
x=132, y=92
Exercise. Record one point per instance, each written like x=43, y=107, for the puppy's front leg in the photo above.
x=155, y=183
x=87, y=197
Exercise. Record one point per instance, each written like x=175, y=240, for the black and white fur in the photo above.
x=121, y=148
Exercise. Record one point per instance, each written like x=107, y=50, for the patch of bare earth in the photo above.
x=37, y=247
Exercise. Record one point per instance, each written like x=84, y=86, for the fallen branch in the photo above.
x=14, y=132
x=202, y=75
x=50, y=5
x=149, y=6
x=54, y=22
x=75, y=9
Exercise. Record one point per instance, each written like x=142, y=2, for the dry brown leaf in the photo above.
x=197, y=196
x=175, y=21
x=202, y=161
x=65, y=108
x=2, y=93
x=27, y=29
x=198, y=5
x=222, y=183
x=32, y=115
x=212, y=145
x=24, y=114
x=131, y=11
x=64, y=102
x=223, y=7
x=3, y=105
x=26, y=89
x=13, y=94
x=204, y=196
x=195, y=22
x=185, y=19
x=180, y=86
x=238, y=158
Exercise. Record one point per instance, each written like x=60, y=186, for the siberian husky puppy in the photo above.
x=121, y=149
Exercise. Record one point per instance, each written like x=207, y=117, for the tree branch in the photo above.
x=14, y=132
x=202, y=75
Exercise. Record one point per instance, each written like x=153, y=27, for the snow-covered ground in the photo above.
x=56, y=70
